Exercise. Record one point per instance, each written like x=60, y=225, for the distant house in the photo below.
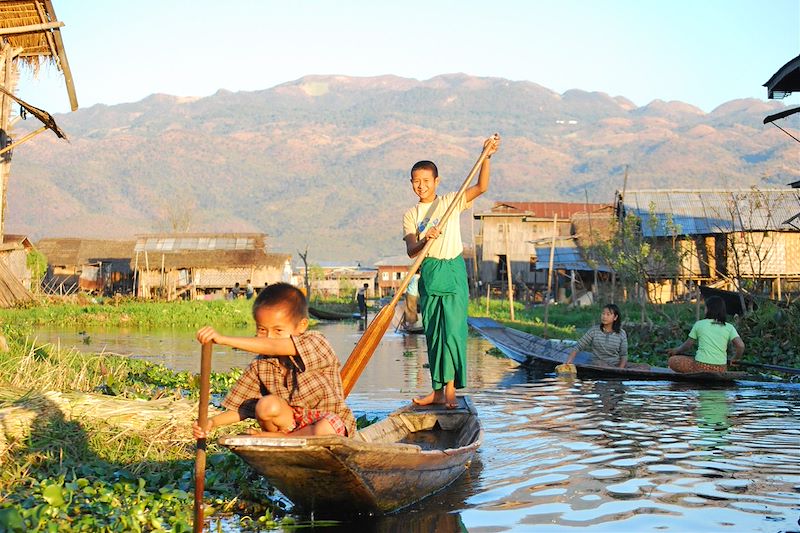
x=94, y=265
x=14, y=253
x=511, y=232
x=198, y=265
x=722, y=235
x=15, y=277
x=340, y=281
x=391, y=273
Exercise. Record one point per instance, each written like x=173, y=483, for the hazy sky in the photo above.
x=704, y=52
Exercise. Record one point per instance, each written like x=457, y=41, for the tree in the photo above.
x=636, y=259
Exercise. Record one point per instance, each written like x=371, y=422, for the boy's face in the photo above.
x=277, y=322
x=424, y=184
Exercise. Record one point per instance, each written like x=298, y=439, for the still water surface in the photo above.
x=560, y=454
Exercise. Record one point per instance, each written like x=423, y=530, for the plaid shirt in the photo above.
x=310, y=379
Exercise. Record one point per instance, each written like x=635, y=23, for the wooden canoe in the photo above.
x=528, y=349
x=413, y=453
x=322, y=314
x=411, y=330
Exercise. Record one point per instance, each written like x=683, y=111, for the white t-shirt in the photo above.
x=422, y=217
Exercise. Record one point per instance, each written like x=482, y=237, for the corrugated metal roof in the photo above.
x=564, y=210
x=188, y=242
x=564, y=258
x=395, y=261
x=703, y=212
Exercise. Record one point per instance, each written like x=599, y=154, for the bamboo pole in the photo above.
x=136, y=277
x=488, y=288
x=508, y=275
x=550, y=275
x=146, y=284
x=32, y=28
x=202, y=421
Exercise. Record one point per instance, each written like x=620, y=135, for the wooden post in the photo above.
x=550, y=274
x=595, y=288
x=508, y=275
x=779, y=286
x=136, y=276
x=697, y=302
x=572, y=286
x=475, y=270
x=147, y=269
x=164, y=291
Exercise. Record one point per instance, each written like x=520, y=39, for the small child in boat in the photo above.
x=293, y=386
x=443, y=290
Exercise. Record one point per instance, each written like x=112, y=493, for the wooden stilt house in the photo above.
x=205, y=265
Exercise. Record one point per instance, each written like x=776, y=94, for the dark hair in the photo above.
x=715, y=309
x=425, y=165
x=617, y=325
x=283, y=294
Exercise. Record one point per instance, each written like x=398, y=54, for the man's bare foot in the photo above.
x=435, y=397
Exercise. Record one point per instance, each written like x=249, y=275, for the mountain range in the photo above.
x=322, y=162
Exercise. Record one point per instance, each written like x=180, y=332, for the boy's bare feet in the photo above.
x=435, y=397
x=450, y=400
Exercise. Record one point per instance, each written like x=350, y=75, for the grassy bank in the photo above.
x=90, y=473
x=132, y=313
x=771, y=333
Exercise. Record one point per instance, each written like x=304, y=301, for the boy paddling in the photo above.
x=443, y=291
x=293, y=386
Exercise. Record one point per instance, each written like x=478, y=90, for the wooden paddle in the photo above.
x=776, y=368
x=365, y=347
x=202, y=421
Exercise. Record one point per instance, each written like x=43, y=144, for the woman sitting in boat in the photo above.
x=607, y=341
x=712, y=334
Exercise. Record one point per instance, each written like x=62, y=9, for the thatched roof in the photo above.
x=15, y=242
x=32, y=25
x=211, y=259
x=75, y=252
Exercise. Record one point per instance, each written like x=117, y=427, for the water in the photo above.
x=565, y=453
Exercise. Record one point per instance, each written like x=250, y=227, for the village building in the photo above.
x=724, y=238
x=335, y=280
x=391, y=273
x=514, y=233
x=204, y=265
x=14, y=253
x=99, y=266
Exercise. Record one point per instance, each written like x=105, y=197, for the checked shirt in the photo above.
x=309, y=379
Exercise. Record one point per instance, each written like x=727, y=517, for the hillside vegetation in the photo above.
x=323, y=161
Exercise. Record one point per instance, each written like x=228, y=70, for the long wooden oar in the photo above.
x=202, y=421
x=776, y=368
x=361, y=354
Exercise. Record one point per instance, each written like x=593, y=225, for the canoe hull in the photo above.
x=530, y=350
x=375, y=472
x=323, y=314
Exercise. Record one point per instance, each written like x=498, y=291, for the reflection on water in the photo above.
x=564, y=452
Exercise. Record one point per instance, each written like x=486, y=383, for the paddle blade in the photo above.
x=567, y=369
x=365, y=347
